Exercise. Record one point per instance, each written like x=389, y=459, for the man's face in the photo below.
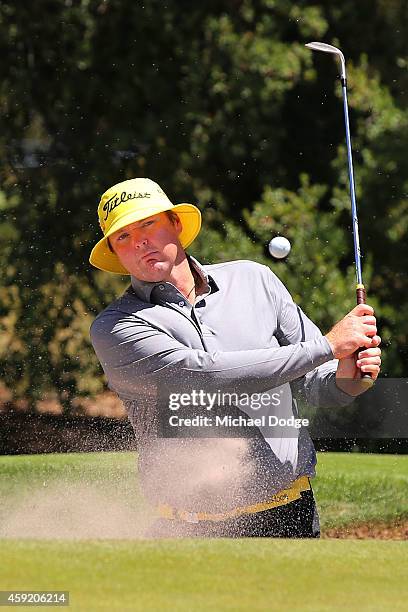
x=150, y=248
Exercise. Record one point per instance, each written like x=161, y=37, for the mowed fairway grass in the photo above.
x=137, y=574
x=213, y=575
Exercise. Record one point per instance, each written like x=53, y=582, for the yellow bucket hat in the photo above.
x=132, y=201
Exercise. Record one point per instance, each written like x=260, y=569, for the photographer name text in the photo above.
x=238, y=421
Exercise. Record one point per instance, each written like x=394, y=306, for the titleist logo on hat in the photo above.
x=115, y=200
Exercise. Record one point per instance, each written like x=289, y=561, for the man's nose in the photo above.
x=139, y=241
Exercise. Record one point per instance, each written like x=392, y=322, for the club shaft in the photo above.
x=360, y=290
x=356, y=237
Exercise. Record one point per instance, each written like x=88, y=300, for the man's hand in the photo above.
x=349, y=369
x=357, y=330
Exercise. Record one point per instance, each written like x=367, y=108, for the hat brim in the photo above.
x=102, y=257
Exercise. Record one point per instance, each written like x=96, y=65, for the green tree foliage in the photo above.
x=222, y=104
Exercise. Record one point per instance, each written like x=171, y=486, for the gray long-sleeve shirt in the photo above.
x=245, y=334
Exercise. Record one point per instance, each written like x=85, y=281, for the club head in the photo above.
x=319, y=46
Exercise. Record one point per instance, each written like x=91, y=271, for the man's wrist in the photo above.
x=330, y=339
x=351, y=386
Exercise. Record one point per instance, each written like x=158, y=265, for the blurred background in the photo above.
x=221, y=104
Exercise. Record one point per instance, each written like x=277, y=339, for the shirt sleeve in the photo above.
x=133, y=352
x=317, y=386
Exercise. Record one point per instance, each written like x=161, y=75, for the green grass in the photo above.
x=213, y=575
x=182, y=575
x=355, y=488
x=107, y=471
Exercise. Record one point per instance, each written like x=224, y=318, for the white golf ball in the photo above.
x=279, y=247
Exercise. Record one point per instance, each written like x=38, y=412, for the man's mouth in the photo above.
x=150, y=255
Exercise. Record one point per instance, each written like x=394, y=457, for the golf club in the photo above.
x=360, y=289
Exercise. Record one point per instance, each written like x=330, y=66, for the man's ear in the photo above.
x=177, y=224
x=175, y=220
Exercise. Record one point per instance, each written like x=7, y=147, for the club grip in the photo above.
x=361, y=299
x=361, y=295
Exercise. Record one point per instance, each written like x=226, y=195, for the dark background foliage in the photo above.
x=223, y=106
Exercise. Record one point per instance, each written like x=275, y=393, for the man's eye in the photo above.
x=147, y=223
x=122, y=236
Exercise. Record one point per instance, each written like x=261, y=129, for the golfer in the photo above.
x=208, y=329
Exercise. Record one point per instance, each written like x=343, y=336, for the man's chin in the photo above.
x=156, y=271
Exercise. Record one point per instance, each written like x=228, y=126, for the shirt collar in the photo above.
x=143, y=289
